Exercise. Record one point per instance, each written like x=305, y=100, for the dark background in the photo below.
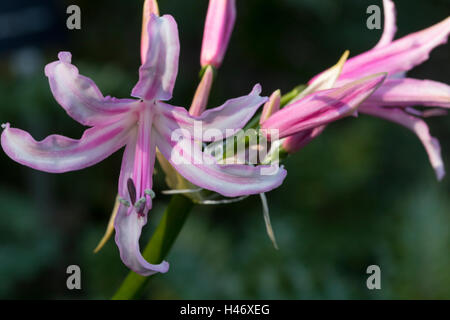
x=363, y=193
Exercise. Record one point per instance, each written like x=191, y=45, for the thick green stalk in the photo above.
x=159, y=245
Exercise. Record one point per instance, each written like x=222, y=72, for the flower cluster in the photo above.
x=372, y=83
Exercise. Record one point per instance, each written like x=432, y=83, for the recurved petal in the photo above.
x=80, y=96
x=398, y=56
x=158, y=73
x=419, y=127
x=59, y=154
x=410, y=92
x=323, y=107
x=128, y=231
x=202, y=169
x=226, y=119
x=390, y=27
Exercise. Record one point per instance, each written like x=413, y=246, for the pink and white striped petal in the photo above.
x=232, y=115
x=57, y=154
x=202, y=169
x=128, y=231
x=158, y=73
x=80, y=96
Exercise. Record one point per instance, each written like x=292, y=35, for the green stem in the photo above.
x=286, y=98
x=159, y=245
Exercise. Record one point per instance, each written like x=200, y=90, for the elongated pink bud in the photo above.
x=271, y=106
x=218, y=28
x=150, y=7
x=202, y=94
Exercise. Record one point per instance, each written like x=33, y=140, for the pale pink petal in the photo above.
x=232, y=115
x=419, y=127
x=390, y=27
x=128, y=231
x=158, y=73
x=322, y=107
x=202, y=169
x=410, y=92
x=399, y=56
x=218, y=28
x=58, y=154
x=80, y=96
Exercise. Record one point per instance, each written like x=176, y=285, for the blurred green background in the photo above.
x=363, y=193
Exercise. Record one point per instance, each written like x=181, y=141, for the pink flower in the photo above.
x=141, y=125
x=394, y=100
x=218, y=28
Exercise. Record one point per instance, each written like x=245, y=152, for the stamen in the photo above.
x=150, y=193
x=223, y=201
x=126, y=203
x=140, y=206
x=131, y=190
x=178, y=191
x=267, y=220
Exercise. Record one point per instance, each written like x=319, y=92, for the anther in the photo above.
x=150, y=193
x=131, y=190
x=140, y=206
x=126, y=203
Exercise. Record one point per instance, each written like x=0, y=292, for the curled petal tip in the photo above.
x=257, y=88
x=65, y=56
x=5, y=125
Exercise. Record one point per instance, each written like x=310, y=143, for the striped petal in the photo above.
x=410, y=92
x=128, y=231
x=59, y=154
x=80, y=96
x=158, y=73
x=137, y=165
x=232, y=115
x=322, y=107
x=398, y=56
x=202, y=169
x=416, y=125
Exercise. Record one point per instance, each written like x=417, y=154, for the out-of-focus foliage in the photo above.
x=361, y=194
